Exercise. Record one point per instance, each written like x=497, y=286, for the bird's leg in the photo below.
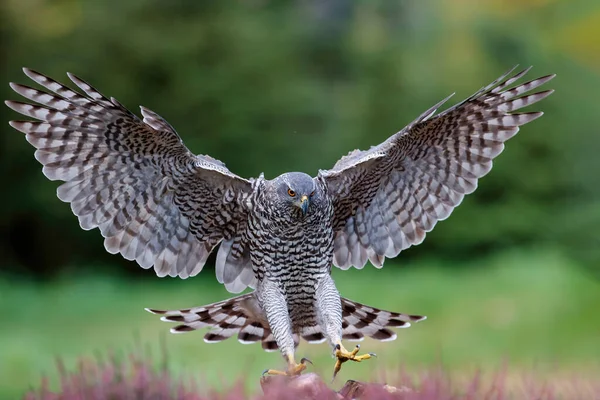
x=342, y=355
x=329, y=315
x=293, y=369
x=274, y=303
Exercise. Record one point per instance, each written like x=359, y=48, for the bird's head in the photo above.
x=297, y=191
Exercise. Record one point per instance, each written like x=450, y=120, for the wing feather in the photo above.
x=387, y=198
x=152, y=199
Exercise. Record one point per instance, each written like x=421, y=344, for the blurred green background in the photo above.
x=270, y=86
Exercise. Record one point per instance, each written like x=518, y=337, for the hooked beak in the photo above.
x=304, y=203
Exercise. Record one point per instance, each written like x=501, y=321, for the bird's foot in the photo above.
x=292, y=370
x=342, y=355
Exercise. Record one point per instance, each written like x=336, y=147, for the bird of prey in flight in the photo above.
x=161, y=205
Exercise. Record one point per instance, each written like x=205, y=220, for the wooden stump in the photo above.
x=310, y=386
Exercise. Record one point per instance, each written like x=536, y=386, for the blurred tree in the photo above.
x=270, y=86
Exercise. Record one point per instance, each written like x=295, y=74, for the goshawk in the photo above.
x=157, y=203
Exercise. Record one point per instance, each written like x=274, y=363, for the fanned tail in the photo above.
x=360, y=320
x=239, y=315
x=243, y=317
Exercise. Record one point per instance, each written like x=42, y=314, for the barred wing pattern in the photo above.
x=387, y=198
x=152, y=199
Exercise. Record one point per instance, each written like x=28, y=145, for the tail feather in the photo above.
x=360, y=320
x=252, y=332
x=312, y=334
x=242, y=315
x=239, y=315
x=269, y=344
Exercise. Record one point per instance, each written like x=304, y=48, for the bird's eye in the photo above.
x=291, y=193
x=312, y=193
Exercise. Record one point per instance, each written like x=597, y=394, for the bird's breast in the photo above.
x=292, y=255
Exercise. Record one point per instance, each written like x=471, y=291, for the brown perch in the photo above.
x=311, y=386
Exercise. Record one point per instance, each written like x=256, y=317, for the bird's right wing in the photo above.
x=152, y=199
x=387, y=198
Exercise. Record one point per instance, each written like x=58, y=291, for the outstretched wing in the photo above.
x=152, y=199
x=388, y=197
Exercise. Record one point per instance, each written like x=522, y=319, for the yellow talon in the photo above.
x=292, y=370
x=342, y=355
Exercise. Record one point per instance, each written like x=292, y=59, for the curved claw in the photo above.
x=336, y=369
x=342, y=355
x=293, y=369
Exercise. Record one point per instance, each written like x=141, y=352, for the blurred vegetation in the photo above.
x=273, y=86
x=531, y=310
x=269, y=86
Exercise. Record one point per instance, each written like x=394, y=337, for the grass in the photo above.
x=137, y=378
x=534, y=310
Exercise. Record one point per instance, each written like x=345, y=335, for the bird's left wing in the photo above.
x=387, y=198
x=152, y=199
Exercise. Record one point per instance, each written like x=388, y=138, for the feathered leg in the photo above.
x=340, y=318
x=274, y=304
x=329, y=314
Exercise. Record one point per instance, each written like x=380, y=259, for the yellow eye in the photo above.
x=291, y=193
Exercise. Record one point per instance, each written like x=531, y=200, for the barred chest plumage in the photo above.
x=292, y=249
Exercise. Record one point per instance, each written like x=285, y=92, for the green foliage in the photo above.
x=278, y=86
x=268, y=86
x=530, y=309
